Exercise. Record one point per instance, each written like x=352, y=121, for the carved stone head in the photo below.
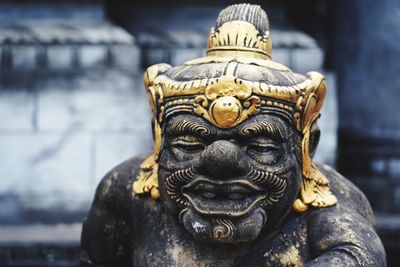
x=234, y=135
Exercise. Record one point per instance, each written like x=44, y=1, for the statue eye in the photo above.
x=262, y=148
x=188, y=144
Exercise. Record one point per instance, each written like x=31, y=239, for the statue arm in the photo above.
x=106, y=234
x=344, y=235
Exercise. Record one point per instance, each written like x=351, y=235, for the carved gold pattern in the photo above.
x=147, y=181
x=186, y=125
x=227, y=101
x=276, y=185
x=174, y=182
x=240, y=37
x=231, y=102
x=224, y=230
x=239, y=59
x=239, y=88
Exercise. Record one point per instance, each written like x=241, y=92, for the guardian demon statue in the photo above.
x=231, y=181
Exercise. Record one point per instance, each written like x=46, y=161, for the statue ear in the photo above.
x=314, y=139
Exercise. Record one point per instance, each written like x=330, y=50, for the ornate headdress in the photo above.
x=235, y=80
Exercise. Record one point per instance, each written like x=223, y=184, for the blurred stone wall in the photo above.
x=369, y=84
x=366, y=58
x=72, y=106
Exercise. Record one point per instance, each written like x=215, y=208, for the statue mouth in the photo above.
x=224, y=198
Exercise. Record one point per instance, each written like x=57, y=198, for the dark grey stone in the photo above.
x=366, y=54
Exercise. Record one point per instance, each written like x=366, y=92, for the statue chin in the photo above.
x=223, y=229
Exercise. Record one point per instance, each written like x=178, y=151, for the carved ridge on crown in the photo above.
x=198, y=93
x=173, y=88
x=239, y=38
x=241, y=29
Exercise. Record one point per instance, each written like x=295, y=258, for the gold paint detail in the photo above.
x=239, y=37
x=300, y=206
x=290, y=256
x=147, y=181
x=276, y=184
x=226, y=111
x=206, y=91
x=231, y=102
x=314, y=190
x=187, y=125
x=228, y=85
x=174, y=182
x=224, y=230
x=239, y=58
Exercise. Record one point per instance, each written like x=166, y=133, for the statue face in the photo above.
x=229, y=185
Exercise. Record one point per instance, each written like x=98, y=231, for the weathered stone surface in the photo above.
x=17, y=108
x=52, y=163
x=39, y=254
x=10, y=35
x=369, y=80
x=92, y=56
x=366, y=56
x=32, y=11
x=24, y=57
x=66, y=45
x=328, y=123
x=102, y=32
x=113, y=148
x=306, y=59
x=126, y=58
x=282, y=56
x=152, y=56
x=394, y=171
x=67, y=132
x=181, y=55
x=98, y=101
x=292, y=39
x=60, y=57
x=39, y=233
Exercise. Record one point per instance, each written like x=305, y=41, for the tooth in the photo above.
x=235, y=196
x=208, y=195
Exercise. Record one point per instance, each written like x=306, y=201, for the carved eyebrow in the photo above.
x=265, y=127
x=188, y=126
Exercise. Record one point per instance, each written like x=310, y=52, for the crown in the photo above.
x=236, y=80
x=241, y=29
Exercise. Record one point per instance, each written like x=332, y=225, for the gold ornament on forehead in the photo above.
x=212, y=88
x=226, y=103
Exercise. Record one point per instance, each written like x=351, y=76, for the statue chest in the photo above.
x=160, y=243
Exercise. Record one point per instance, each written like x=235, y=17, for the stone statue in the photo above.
x=231, y=181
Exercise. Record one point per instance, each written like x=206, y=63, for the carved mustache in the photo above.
x=174, y=183
x=274, y=185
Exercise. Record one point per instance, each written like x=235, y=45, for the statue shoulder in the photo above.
x=344, y=234
x=114, y=191
x=349, y=195
x=106, y=237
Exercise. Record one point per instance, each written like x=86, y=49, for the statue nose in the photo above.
x=223, y=159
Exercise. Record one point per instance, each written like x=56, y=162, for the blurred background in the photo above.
x=72, y=102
